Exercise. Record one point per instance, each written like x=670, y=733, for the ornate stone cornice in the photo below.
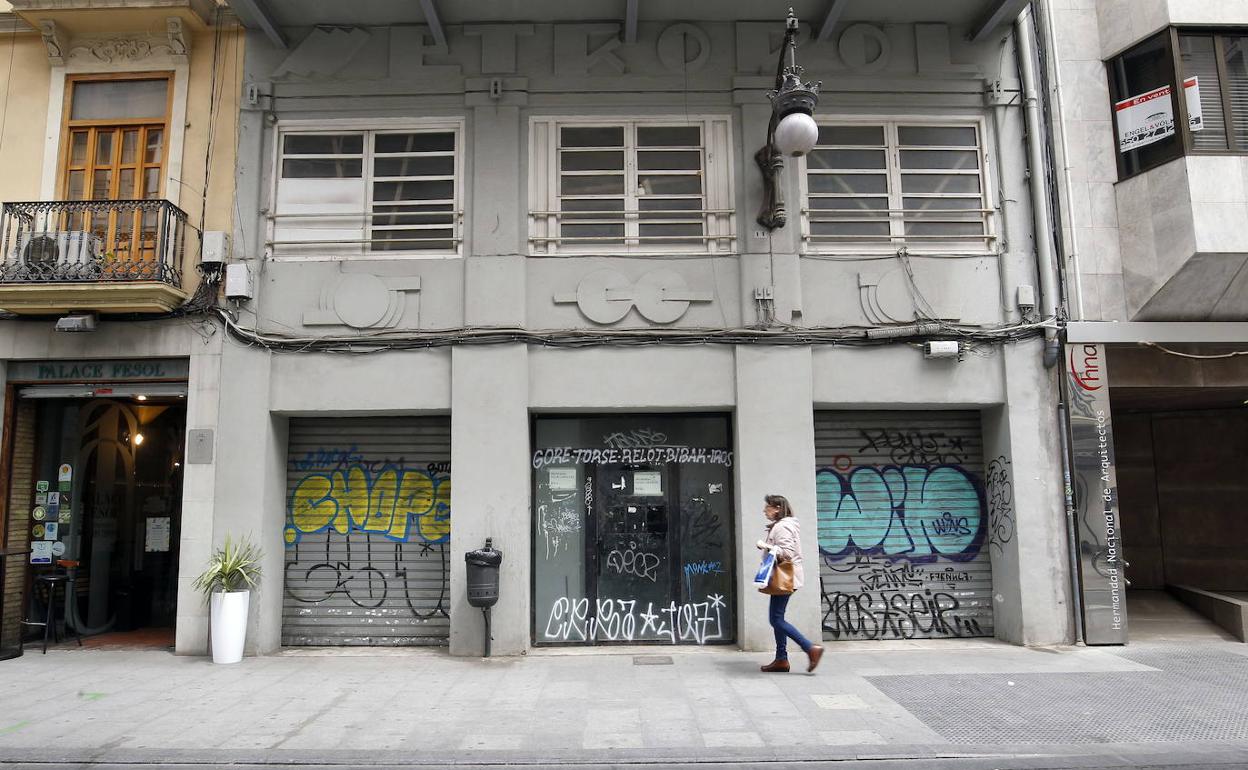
x=175, y=44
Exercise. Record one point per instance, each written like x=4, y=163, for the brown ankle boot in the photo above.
x=776, y=667
x=815, y=654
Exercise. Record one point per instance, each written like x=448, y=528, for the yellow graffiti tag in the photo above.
x=313, y=507
x=436, y=523
x=385, y=504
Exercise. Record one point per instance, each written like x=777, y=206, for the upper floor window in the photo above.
x=1215, y=81
x=620, y=186
x=1180, y=91
x=116, y=149
x=345, y=193
x=115, y=133
x=881, y=186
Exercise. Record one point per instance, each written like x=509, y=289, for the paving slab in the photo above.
x=911, y=702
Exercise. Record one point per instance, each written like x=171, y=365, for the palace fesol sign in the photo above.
x=1102, y=579
x=90, y=371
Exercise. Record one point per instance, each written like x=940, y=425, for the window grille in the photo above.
x=373, y=192
x=882, y=186
x=630, y=187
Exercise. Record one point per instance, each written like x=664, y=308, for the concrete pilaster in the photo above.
x=250, y=482
x=775, y=454
x=1026, y=512
x=490, y=494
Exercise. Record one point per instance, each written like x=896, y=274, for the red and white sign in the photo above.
x=1086, y=366
x=1145, y=119
x=1195, y=114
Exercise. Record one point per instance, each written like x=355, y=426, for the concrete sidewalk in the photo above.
x=928, y=700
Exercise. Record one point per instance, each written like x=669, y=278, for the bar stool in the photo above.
x=50, y=580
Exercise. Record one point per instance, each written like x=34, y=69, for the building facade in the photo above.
x=118, y=144
x=522, y=254
x=1150, y=132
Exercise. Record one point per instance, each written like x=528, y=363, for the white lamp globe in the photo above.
x=796, y=134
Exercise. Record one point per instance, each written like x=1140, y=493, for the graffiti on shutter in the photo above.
x=367, y=532
x=904, y=527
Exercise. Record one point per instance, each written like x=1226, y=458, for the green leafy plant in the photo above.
x=234, y=566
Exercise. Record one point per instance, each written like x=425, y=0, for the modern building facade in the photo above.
x=1151, y=133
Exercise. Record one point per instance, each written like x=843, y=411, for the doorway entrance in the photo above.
x=104, y=487
x=634, y=536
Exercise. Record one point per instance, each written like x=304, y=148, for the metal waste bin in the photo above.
x=482, y=566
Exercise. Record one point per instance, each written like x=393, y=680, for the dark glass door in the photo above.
x=636, y=549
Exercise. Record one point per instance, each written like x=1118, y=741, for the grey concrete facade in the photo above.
x=495, y=80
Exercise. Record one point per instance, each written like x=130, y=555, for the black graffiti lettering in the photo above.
x=362, y=582
x=896, y=615
x=700, y=526
x=914, y=447
x=1000, y=498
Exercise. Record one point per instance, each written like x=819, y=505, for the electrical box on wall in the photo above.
x=216, y=249
x=238, y=281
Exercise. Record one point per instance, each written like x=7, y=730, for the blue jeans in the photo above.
x=784, y=631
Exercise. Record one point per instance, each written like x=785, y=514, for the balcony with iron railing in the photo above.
x=121, y=256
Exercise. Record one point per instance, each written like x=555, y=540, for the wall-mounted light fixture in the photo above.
x=78, y=322
x=792, y=130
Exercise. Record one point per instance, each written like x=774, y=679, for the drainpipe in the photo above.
x=1046, y=263
x=1046, y=266
x=1074, y=271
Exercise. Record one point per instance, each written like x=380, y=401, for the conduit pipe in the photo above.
x=1046, y=267
x=1074, y=273
x=1046, y=262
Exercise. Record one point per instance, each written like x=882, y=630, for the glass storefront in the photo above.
x=633, y=535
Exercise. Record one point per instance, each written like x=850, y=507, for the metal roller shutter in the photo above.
x=903, y=525
x=368, y=531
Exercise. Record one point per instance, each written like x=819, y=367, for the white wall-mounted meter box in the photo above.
x=216, y=249
x=238, y=281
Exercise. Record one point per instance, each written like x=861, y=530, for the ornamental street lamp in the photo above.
x=792, y=129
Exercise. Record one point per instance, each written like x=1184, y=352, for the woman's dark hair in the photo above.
x=779, y=501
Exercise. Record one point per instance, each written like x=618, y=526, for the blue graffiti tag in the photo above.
x=919, y=513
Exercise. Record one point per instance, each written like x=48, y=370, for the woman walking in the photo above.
x=784, y=541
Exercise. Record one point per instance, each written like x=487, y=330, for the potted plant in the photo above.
x=227, y=582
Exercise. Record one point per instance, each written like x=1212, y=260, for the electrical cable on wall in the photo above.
x=1195, y=356
x=377, y=342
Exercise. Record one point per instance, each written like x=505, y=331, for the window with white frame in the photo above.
x=881, y=186
x=360, y=193
x=621, y=186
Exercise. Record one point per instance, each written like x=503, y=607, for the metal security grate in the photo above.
x=1198, y=694
x=905, y=532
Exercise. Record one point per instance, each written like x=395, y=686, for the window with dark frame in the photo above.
x=1141, y=86
x=1204, y=107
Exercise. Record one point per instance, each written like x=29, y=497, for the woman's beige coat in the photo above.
x=785, y=537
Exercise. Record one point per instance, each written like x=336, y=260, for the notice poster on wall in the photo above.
x=1195, y=113
x=561, y=479
x=157, y=540
x=1144, y=119
x=41, y=552
x=649, y=483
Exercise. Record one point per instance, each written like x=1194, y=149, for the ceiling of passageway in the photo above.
x=296, y=13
